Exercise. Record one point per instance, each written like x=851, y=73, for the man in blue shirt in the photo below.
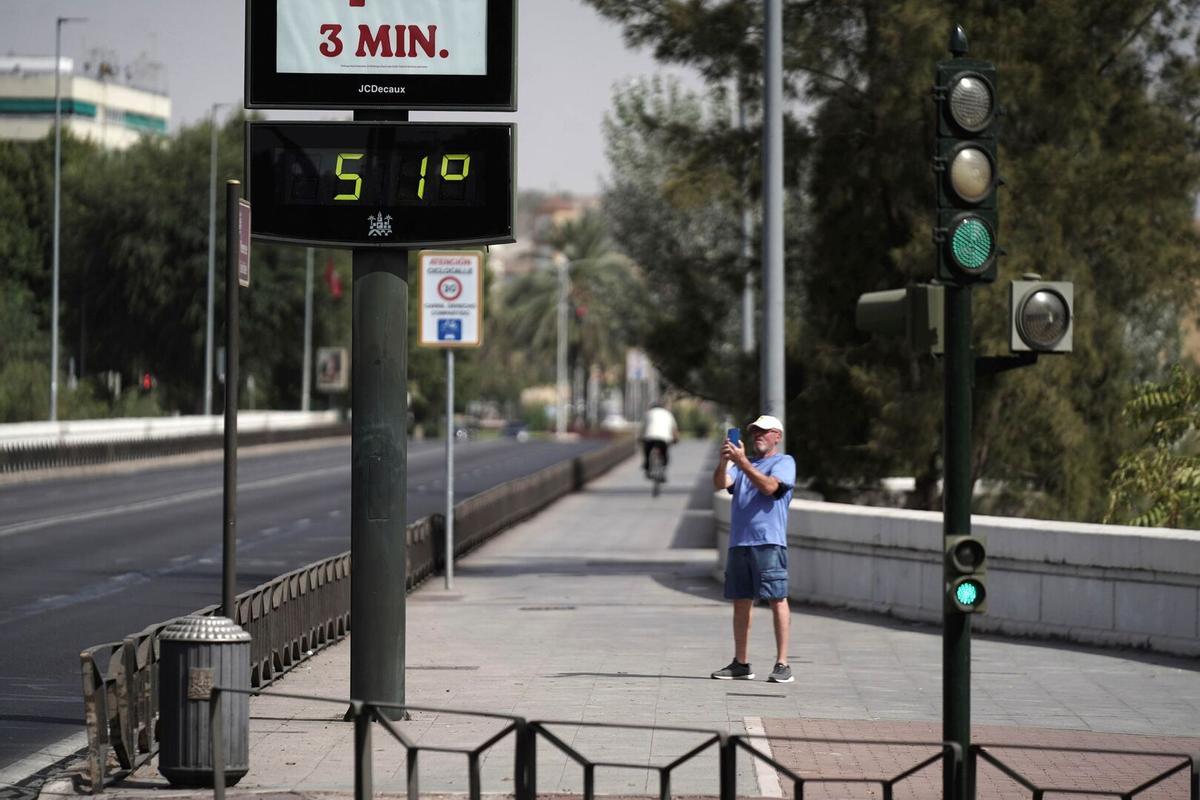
x=756, y=567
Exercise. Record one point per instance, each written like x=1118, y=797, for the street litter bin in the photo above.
x=195, y=654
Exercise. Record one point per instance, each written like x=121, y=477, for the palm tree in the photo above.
x=602, y=286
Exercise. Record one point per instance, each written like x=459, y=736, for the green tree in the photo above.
x=1098, y=155
x=681, y=176
x=603, y=288
x=134, y=265
x=1158, y=484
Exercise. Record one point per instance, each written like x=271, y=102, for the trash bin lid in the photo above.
x=198, y=628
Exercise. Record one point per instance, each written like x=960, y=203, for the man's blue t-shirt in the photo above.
x=757, y=518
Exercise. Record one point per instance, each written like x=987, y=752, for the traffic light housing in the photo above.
x=914, y=312
x=1041, y=316
x=967, y=172
x=966, y=572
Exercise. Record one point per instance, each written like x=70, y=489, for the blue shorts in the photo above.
x=757, y=572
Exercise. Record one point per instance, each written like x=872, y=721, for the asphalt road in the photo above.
x=87, y=560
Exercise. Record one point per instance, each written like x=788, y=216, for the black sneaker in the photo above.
x=736, y=671
x=781, y=674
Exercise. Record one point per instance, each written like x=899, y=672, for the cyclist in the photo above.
x=659, y=431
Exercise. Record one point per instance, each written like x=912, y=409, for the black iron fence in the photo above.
x=295, y=615
x=526, y=733
x=26, y=457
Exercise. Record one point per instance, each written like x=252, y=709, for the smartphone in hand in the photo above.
x=734, y=435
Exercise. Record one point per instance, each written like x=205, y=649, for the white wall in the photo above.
x=81, y=431
x=1097, y=584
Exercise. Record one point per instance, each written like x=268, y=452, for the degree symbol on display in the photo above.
x=449, y=288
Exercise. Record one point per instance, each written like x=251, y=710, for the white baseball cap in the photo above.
x=767, y=423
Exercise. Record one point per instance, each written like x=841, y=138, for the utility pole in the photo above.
x=773, y=389
x=747, y=249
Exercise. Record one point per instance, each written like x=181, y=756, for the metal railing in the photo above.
x=20, y=457
x=526, y=733
x=1188, y=761
x=291, y=617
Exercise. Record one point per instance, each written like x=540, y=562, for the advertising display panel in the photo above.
x=400, y=54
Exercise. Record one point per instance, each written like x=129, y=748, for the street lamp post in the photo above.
x=212, y=255
x=773, y=389
x=57, y=211
x=560, y=416
x=306, y=368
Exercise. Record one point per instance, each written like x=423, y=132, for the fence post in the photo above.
x=728, y=756
x=95, y=714
x=127, y=698
x=525, y=768
x=362, y=749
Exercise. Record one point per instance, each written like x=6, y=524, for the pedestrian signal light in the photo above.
x=969, y=595
x=966, y=568
x=965, y=163
x=1041, y=316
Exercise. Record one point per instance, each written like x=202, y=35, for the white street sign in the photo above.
x=451, y=298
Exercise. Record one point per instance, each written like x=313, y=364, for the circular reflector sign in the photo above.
x=971, y=244
x=971, y=102
x=1043, y=319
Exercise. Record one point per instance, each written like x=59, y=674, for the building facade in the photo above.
x=95, y=106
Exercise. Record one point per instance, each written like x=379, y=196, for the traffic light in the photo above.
x=966, y=569
x=148, y=382
x=966, y=169
x=1041, y=316
x=914, y=313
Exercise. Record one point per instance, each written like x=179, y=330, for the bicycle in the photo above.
x=657, y=471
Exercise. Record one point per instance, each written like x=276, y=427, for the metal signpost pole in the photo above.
x=229, y=522
x=449, y=468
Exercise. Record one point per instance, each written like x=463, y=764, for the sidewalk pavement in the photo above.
x=603, y=608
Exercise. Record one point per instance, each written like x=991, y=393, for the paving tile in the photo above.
x=641, y=627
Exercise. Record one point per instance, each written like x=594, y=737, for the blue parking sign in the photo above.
x=449, y=330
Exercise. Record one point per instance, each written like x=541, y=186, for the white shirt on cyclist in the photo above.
x=658, y=425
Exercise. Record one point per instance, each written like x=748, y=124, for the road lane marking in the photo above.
x=768, y=778
x=119, y=583
x=49, y=755
x=160, y=502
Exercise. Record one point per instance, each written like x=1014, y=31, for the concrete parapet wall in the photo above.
x=1095, y=584
x=82, y=431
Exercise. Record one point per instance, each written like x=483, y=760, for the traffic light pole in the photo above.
x=956, y=521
